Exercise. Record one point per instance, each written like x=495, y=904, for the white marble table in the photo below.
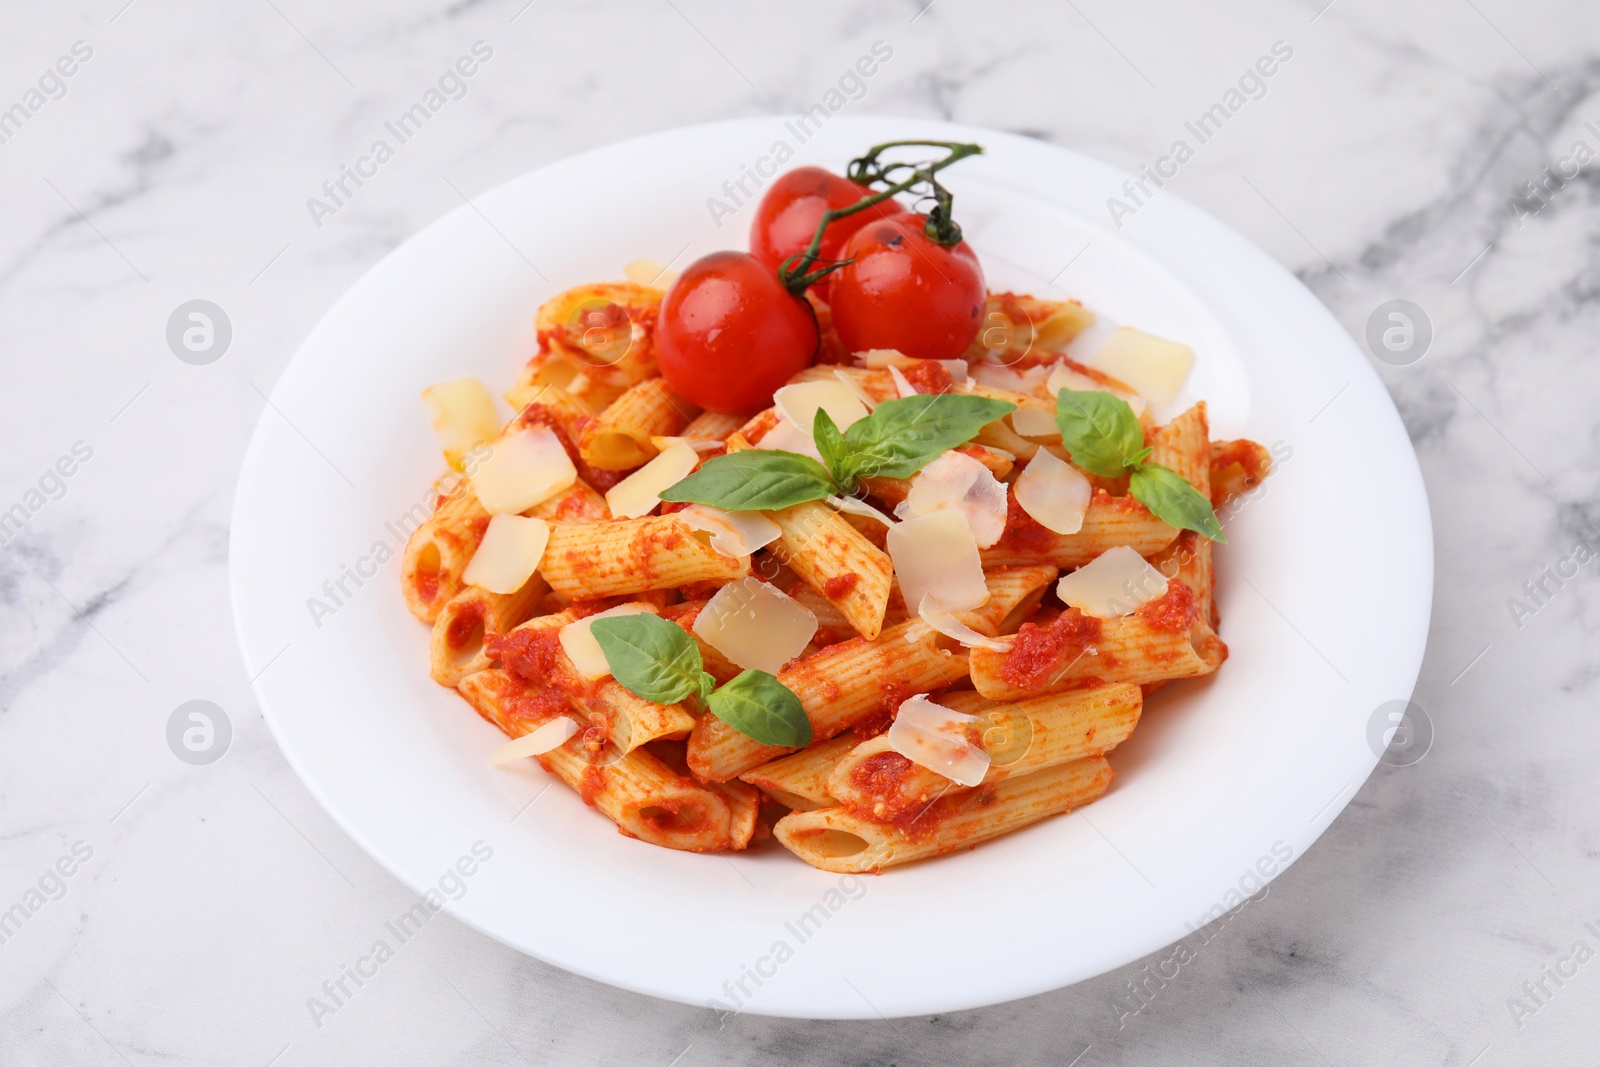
x=205, y=904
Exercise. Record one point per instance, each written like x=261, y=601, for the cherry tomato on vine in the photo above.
x=906, y=291
x=787, y=217
x=729, y=334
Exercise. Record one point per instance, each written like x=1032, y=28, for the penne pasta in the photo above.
x=836, y=560
x=839, y=687
x=618, y=438
x=438, y=551
x=640, y=793
x=587, y=560
x=456, y=648
x=838, y=840
x=1021, y=737
x=800, y=781
x=1109, y=521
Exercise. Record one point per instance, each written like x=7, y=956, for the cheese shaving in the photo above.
x=1153, y=366
x=1054, y=493
x=733, y=533
x=799, y=403
x=639, y=493
x=934, y=614
x=901, y=385
x=463, y=416
x=511, y=550
x=855, y=387
x=756, y=625
x=1031, y=421
x=546, y=738
x=955, y=481
x=525, y=467
x=933, y=736
x=581, y=647
x=856, y=506
x=1115, y=583
x=936, y=553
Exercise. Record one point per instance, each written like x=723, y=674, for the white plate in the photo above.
x=1324, y=592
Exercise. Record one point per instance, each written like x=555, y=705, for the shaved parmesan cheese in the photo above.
x=955, y=481
x=799, y=403
x=463, y=416
x=582, y=648
x=901, y=386
x=934, y=614
x=1153, y=366
x=879, y=358
x=957, y=369
x=650, y=273
x=1064, y=377
x=524, y=468
x=790, y=438
x=933, y=736
x=854, y=386
x=552, y=735
x=638, y=494
x=511, y=550
x=936, y=553
x=733, y=533
x=1031, y=421
x=699, y=444
x=1054, y=493
x=854, y=506
x=755, y=625
x=995, y=377
x=1116, y=583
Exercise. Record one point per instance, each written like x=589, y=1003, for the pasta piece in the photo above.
x=588, y=560
x=1014, y=593
x=800, y=781
x=1076, y=650
x=836, y=560
x=1237, y=467
x=1184, y=445
x=876, y=384
x=1022, y=737
x=607, y=330
x=438, y=551
x=533, y=652
x=456, y=648
x=840, y=687
x=837, y=840
x=640, y=793
x=1108, y=522
x=577, y=504
x=712, y=426
x=618, y=439
x=1020, y=330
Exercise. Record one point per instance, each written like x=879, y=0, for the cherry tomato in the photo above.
x=729, y=334
x=906, y=291
x=788, y=214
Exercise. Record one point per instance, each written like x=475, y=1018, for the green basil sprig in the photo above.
x=1103, y=436
x=657, y=660
x=896, y=440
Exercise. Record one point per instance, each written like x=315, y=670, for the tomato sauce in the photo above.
x=929, y=376
x=840, y=585
x=1023, y=532
x=1038, y=652
x=1174, y=611
x=533, y=655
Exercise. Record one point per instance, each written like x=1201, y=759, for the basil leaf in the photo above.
x=754, y=480
x=1174, y=501
x=650, y=657
x=763, y=709
x=1100, y=431
x=902, y=436
x=830, y=443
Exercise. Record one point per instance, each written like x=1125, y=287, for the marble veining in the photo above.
x=1390, y=160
